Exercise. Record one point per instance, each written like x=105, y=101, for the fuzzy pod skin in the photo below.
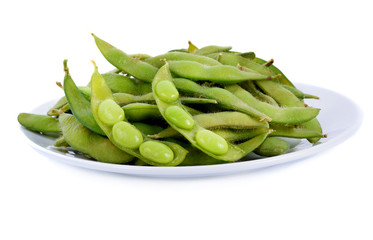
x=39, y=123
x=88, y=142
x=223, y=74
x=133, y=66
x=178, y=56
x=294, y=115
x=272, y=147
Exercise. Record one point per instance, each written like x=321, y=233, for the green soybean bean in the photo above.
x=272, y=147
x=178, y=56
x=101, y=92
x=223, y=74
x=156, y=151
x=79, y=105
x=200, y=137
x=127, y=135
x=110, y=112
x=224, y=98
x=212, y=49
x=88, y=142
x=135, y=67
x=167, y=91
x=211, y=142
x=278, y=115
x=179, y=117
x=39, y=123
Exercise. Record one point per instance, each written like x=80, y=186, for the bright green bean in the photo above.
x=110, y=112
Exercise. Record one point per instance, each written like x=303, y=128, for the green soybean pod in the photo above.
x=293, y=115
x=224, y=98
x=251, y=87
x=294, y=131
x=79, y=105
x=219, y=120
x=272, y=147
x=100, y=93
x=84, y=140
x=212, y=49
x=135, y=67
x=201, y=138
x=285, y=98
x=39, y=123
x=298, y=93
x=178, y=56
x=283, y=79
x=223, y=74
x=231, y=59
x=120, y=83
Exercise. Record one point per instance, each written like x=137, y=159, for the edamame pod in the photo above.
x=133, y=66
x=205, y=140
x=178, y=56
x=39, y=123
x=223, y=74
x=100, y=93
x=294, y=115
x=79, y=105
x=88, y=142
x=224, y=98
x=272, y=147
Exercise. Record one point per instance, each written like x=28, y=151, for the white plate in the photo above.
x=339, y=117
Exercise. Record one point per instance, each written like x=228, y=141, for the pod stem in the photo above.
x=59, y=84
x=269, y=63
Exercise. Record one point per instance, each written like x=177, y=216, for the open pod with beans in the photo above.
x=192, y=106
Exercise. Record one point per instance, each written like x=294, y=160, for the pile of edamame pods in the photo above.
x=192, y=106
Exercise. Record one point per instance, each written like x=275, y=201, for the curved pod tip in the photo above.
x=94, y=64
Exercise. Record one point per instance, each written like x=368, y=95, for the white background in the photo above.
x=323, y=43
